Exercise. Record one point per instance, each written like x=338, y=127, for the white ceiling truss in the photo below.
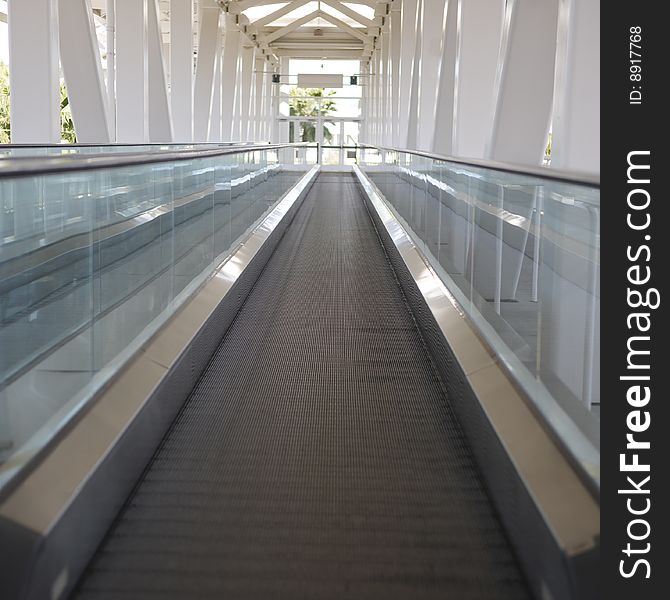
x=311, y=28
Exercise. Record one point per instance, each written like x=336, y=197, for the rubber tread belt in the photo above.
x=318, y=456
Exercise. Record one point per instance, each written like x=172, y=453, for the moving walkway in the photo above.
x=286, y=393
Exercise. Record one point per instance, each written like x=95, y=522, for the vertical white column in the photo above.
x=363, y=82
x=444, y=110
x=247, y=68
x=384, y=81
x=231, y=48
x=395, y=33
x=281, y=98
x=160, y=120
x=374, y=87
x=266, y=111
x=259, y=91
x=414, y=84
x=111, y=67
x=204, y=72
x=248, y=61
x=181, y=69
x=479, y=28
x=268, y=105
x=131, y=71
x=80, y=59
x=214, y=134
x=576, y=115
x=33, y=67
x=432, y=33
x=524, y=82
x=407, y=48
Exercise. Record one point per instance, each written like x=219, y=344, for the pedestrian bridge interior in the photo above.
x=311, y=307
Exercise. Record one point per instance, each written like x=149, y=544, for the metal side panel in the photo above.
x=550, y=516
x=53, y=521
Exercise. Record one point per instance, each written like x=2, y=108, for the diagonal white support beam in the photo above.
x=576, y=128
x=160, y=120
x=229, y=76
x=432, y=22
x=245, y=84
x=132, y=94
x=277, y=14
x=343, y=26
x=204, y=73
x=80, y=60
x=444, y=111
x=479, y=28
x=242, y=5
x=33, y=64
x=281, y=32
x=524, y=83
x=349, y=12
x=181, y=69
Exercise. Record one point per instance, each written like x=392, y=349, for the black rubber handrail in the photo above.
x=542, y=172
x=43, y=165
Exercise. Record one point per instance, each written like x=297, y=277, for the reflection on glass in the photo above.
x=91, y=262
x=522, y=256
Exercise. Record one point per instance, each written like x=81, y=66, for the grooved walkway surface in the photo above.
x=318, y=456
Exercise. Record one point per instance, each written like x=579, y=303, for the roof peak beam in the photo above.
x=277, y=14
x=242, y=5
x=343, y=26
x=282, y=31
x=349, y=12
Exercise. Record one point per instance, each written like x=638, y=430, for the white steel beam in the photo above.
x=215, y=122
x=415, y=83
x=282, y=127
x=33, y=64
x=110, y=21
x=319, y=53
x=231, y=52
x=204, y=74
x=407, y=49
x=479, y=28
x=394, y=32
x=245, y=85
x=349, y=12
x=431, y=55
x=343, y=26
x=259, y=90
x=576, y=115
x=131, y=71
x=277, y=14
x=242, y=5
x=181, y=69
x=444, y=111
x=160, y=120
x=524, y=82
x=80, y=59
x=282, y=31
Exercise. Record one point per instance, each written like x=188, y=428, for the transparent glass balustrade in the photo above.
x=521, y=255
x=92, y=261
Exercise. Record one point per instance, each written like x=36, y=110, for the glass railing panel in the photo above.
x=521, y=254
x=93, y=261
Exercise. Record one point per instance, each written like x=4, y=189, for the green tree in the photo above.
x=304, y=103
x=4, y=103
x=66, y=124
x=67, y=133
